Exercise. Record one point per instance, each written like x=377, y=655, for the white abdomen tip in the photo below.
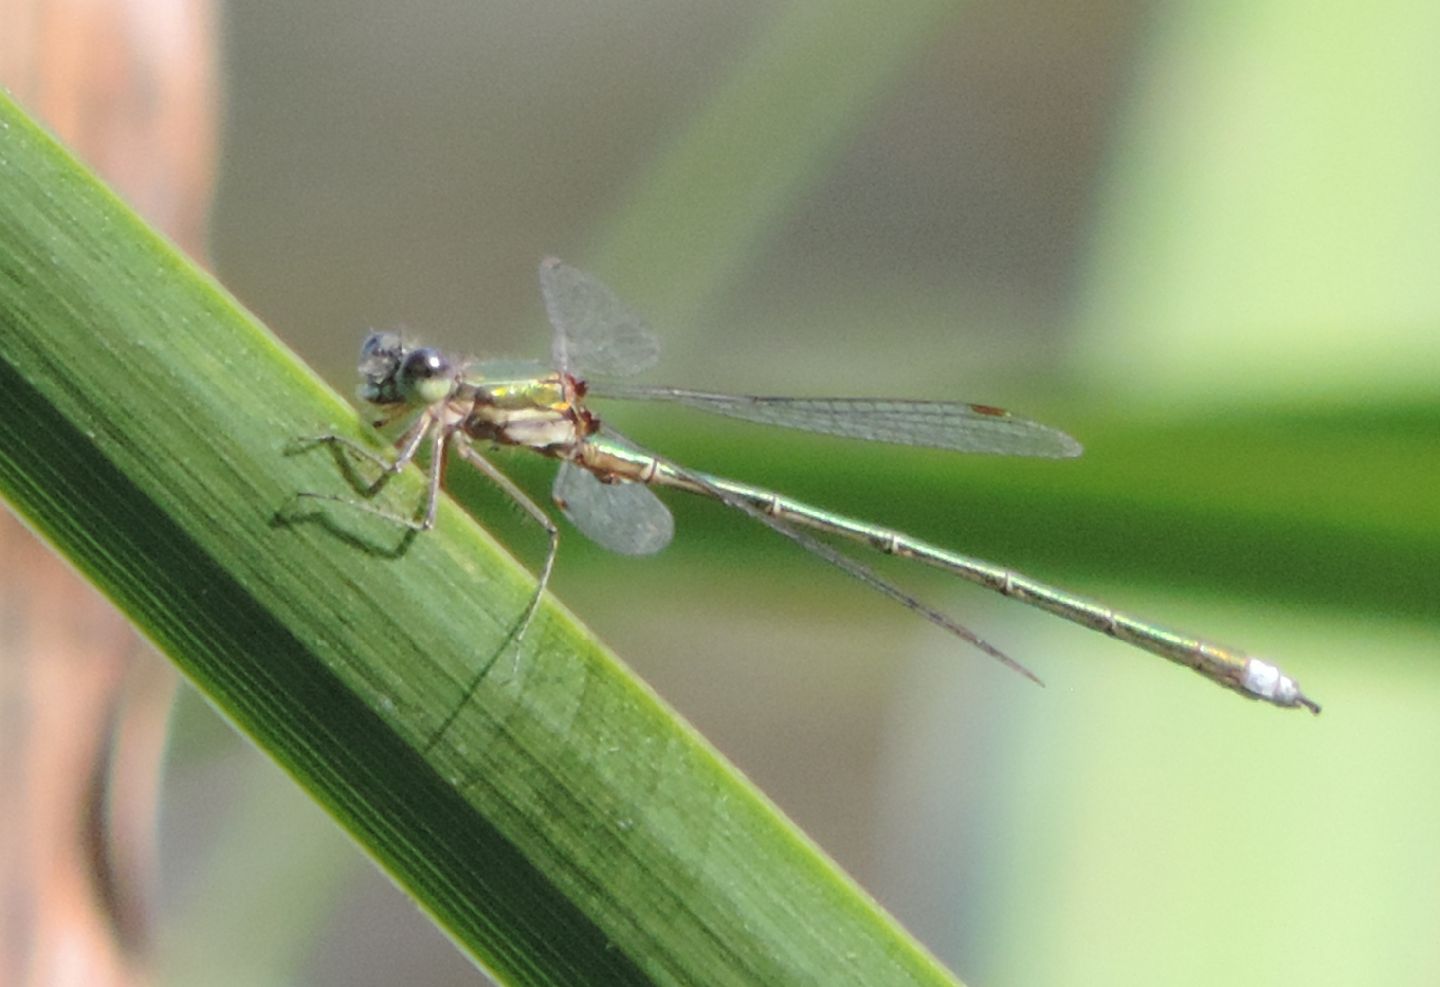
x=1264, y=681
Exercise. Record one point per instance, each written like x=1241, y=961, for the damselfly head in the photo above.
x=393, y=373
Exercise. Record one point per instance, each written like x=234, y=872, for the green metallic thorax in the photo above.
x=542, y=413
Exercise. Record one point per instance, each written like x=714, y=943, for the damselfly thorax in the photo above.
x=547, y=414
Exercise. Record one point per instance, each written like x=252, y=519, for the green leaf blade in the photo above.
x=567, y=828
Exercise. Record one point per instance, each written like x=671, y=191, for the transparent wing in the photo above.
x=934, y=424
x=624, y=517
x=595, y=332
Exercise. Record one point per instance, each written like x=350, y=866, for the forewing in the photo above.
x=933, y=424
x=595, y=332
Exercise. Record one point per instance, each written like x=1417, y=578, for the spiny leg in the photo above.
x=408, y=445
x=552, y=532
x=443, y=435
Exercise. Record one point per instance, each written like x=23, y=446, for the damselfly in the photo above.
x=604, y=480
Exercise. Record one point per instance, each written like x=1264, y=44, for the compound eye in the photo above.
x=380, y=344
x=426, y=376
x=426, y=363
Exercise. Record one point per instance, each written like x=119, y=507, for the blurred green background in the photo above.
x=1201, y=238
